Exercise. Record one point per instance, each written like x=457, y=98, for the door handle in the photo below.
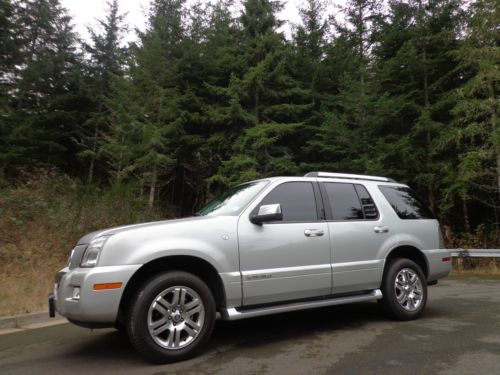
x=382, y=229
x=313, y=232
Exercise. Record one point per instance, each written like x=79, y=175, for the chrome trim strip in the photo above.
x=348, y=176
x=232, y=313
x=358, y=265
x=282, y=271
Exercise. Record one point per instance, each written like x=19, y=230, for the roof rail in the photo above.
x=349, y=176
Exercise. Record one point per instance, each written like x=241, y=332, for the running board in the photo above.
x=233, y=313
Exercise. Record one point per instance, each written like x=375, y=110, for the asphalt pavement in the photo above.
x=459, y=334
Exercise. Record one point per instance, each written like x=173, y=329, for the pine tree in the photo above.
x=416, y=73
x=9, y=57
x=265, y=96
x=45, y=100
x=106, y=63
x=346, y=138
x=474, y=134
x=150, y=130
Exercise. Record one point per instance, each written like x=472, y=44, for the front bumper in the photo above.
x=439, y=261
x=92, y=306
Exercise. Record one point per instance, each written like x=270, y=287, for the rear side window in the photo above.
x=367, y=205
x=296, y=199
x=350, y=202
x=404, y=203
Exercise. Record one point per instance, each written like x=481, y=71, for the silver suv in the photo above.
x=264, y=247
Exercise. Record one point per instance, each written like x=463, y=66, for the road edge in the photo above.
x=26, y=321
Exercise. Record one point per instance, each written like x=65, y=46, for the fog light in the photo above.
x=76, y=293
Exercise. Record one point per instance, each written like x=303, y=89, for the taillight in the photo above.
x=446, y=259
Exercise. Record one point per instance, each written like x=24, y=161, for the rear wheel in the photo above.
x=171, y=317
x=404, y=289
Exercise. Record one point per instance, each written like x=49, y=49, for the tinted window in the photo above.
x=367, y=205
x=404, y=203
x=296, y=199
x=344, y=201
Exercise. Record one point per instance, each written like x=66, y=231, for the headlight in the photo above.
x=91, y=255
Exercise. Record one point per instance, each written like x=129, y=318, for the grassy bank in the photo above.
x=40, y=221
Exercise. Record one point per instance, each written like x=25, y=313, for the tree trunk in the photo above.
x=494, y=130
x=152, y=189
x=256, y=109
x=466, y=216
x=497, y=151
x=93, y=156
x=120, y=160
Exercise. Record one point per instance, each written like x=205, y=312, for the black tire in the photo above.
x=139, y=308
x=407, y=310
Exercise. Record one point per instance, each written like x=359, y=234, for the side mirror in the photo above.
x=268, y=212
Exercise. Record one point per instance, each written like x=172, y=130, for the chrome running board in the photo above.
x=233, y=313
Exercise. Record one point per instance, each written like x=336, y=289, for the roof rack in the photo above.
x=349, y=176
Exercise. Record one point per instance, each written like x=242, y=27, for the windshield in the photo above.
x=234, y=200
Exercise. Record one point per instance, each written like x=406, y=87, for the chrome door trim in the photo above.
x=361, y=265
x=316, y=269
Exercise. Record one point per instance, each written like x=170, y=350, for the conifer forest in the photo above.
x=211, y=94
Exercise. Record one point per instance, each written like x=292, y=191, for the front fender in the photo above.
x=214, y=241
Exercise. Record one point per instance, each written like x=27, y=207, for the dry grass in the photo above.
x=479, y=266
x=40, y=222
x=25, y=289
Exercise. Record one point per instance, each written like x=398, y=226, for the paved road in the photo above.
x=459, y=334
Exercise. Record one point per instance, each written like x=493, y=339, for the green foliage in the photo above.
x=209, y=96
x=64, y=208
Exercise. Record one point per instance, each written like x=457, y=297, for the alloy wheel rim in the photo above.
x=408, y=289
x=176, y=317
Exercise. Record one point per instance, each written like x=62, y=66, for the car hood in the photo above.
x=85, y=240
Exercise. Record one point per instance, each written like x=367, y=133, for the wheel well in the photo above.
x=411, y=253
x=196, y=266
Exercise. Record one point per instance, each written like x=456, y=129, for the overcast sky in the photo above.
x=84, y=13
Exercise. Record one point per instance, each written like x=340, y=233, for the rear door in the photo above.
x=357, y=233
x=281, y=260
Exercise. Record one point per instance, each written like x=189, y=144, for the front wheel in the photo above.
x=404, y=289
x=171, y=317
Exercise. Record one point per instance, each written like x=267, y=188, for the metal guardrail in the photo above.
x=476, y=253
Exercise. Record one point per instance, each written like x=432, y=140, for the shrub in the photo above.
x=41, y=219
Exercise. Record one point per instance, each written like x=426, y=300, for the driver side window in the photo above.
x=297, y=201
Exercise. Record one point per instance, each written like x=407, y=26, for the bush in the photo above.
x=40, y=221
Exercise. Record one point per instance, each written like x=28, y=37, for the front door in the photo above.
x=288, y=259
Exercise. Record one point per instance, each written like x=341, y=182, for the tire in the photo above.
x=164, y=326
x=404, y=289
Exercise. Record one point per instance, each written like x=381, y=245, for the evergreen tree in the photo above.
x=474, y=135
x=45, y=99
x=150, y=129
x=307, y=65
x=416, y=72
x=106, y=63
x=265, y=96
x=351, y=112
x=9, y=57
